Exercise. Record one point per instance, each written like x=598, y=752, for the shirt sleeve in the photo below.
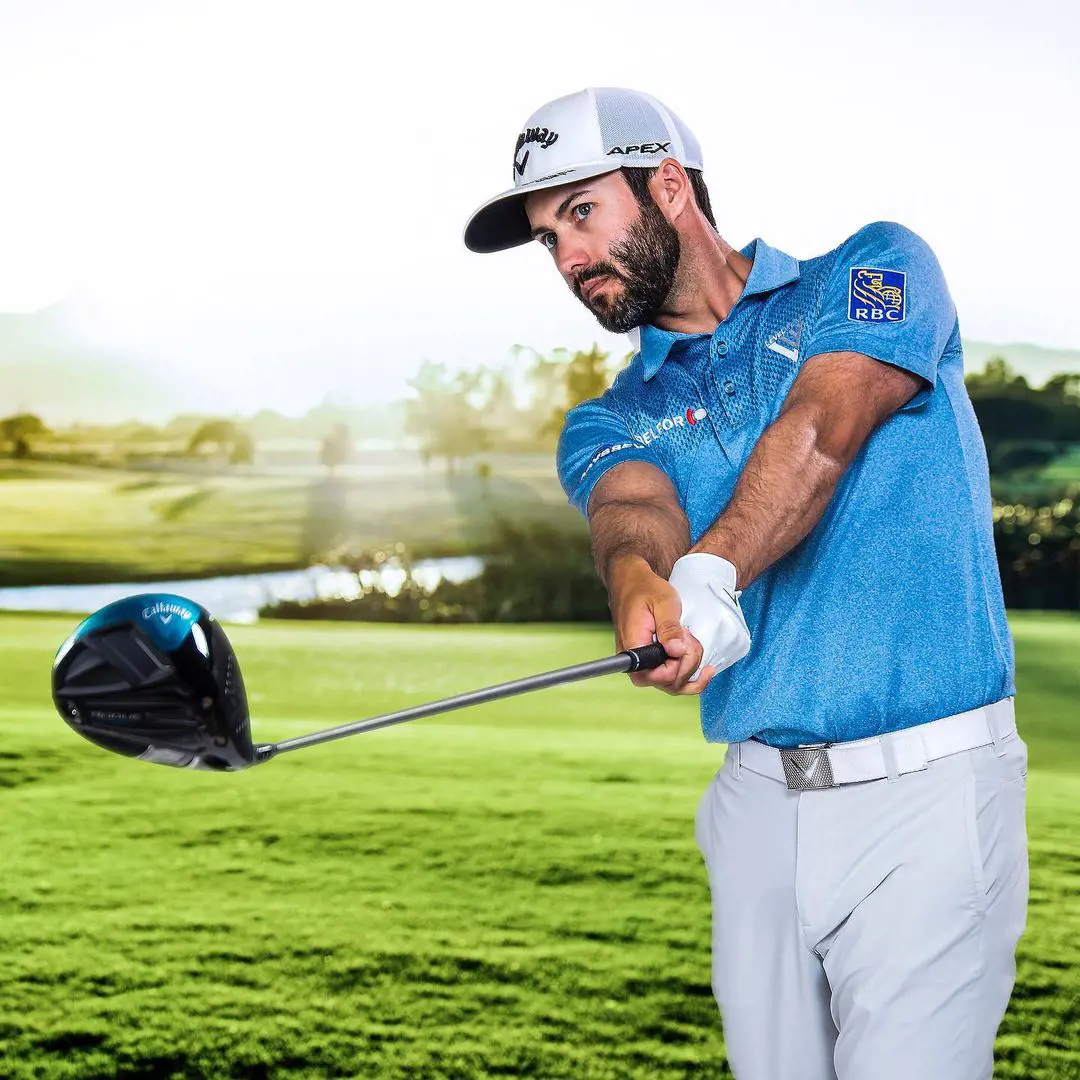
x=886, y=298
x=594, y=439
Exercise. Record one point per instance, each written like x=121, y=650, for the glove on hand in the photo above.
x=710, y=608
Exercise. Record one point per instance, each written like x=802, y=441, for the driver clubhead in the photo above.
x=154, y=677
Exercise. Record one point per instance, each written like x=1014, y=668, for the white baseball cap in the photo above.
x=592, y=132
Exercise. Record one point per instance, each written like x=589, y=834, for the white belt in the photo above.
x=816, y=766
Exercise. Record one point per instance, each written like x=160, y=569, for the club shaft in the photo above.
x=607, y=666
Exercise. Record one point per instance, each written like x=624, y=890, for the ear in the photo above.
x=670, y=187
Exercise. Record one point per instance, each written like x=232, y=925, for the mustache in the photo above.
x=600, y=269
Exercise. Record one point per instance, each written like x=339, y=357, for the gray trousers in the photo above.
x=868, y=931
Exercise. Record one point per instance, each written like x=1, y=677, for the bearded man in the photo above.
x=787, y=487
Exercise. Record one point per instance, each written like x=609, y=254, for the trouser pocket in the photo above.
x=995, y=798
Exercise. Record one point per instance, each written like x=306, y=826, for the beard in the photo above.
x=649, y=256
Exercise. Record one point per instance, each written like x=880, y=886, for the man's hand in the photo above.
x=710, y=608
x=643, y=604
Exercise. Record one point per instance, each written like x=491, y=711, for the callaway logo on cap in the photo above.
x=586, y=134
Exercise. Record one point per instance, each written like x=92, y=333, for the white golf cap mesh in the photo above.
x=586, y=134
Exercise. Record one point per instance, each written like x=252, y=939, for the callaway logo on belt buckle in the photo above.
x=807, y=768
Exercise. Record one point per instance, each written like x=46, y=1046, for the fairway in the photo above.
x=510, y=890
x=73, y=525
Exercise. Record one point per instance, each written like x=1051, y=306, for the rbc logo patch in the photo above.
x=876, y=295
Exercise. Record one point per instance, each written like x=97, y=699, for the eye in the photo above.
x=547, y=239
x=585, y=208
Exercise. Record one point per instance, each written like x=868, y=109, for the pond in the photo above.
x=238, y=598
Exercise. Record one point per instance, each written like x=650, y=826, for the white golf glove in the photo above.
x=710, y=608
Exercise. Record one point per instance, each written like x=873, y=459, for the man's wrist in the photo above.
x=621, y=566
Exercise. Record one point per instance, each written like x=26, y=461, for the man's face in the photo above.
x=618, y=257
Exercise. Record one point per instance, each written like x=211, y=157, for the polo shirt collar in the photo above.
x=770, y=269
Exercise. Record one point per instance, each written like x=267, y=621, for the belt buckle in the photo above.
x=807, y=767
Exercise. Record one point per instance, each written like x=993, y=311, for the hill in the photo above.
x=52, y=365
x=1034, y=362
x=47, y=368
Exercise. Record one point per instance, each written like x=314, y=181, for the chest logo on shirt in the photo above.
x=691, y=416
x=876, y=295
x=786, y=342
x=670, y=423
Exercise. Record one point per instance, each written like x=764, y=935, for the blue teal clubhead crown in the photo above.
x=154, y=677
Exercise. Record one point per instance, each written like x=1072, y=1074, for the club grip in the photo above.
x=646, y=656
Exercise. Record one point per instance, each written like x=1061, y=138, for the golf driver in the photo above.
x=155, y=678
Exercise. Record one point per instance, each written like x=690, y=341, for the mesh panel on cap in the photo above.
x=627, y=118
x=691, y=147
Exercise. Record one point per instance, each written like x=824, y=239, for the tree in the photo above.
x=1024, y=428
x=183, y=426
x=19, y=429
x=227, y=437
x=1064, y=387
x=336, y=448
x=483, y=474
x=269, y=424
x=136, y=432
x=996, y=377
x=446, y=413
x=560, y=384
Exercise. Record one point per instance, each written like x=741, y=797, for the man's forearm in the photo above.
x=628, y=530
x=781, y=495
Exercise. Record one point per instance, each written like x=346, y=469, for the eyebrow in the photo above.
x=561, y=211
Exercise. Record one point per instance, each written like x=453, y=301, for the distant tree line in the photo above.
x=539, y=572
x=1023, y=427
x=1038, y=552
x=533, y=572
x=451, y=415
x=459, y=414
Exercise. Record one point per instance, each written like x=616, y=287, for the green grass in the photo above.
x=1039, y=485
x=1063, y=469
x=70, y=524
x=509, y=890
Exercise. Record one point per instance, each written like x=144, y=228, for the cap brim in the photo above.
x=501, y=222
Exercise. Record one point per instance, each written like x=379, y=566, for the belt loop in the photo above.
x=990, y=713
x=888, y=753
x=736, y=765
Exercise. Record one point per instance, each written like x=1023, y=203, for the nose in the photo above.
x=572, y=257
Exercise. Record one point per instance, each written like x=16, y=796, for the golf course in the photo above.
x=509, y=890
x=67, y=524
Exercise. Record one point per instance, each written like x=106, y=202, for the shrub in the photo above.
x=532, y=572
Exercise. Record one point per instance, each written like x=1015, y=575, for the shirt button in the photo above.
x=721, y=348
x=729, y=387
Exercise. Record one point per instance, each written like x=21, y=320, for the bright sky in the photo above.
x=272, y=194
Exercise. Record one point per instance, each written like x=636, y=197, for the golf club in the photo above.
x=154, y=677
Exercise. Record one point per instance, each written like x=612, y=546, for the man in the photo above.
x=787, y=487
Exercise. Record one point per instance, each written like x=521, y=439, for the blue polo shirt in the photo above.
x=890, y=612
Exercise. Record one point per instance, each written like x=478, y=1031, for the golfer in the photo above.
x=788, y=488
